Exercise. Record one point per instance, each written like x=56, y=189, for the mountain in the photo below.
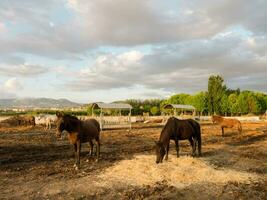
x=37, y=103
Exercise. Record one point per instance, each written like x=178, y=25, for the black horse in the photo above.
x=79, y=132
x=176, y=129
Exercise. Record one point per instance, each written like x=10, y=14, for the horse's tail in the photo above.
x=97, y=126
x=195, y=125
x=199, y=142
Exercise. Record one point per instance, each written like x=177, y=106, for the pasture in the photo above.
x=35, y=164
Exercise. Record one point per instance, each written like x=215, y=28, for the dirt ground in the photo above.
x=35, y=165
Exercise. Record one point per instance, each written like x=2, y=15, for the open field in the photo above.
x=35, y=165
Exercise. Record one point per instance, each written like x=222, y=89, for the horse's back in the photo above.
x=90, y=128
x=95, y=122
x=229, y=122
x=184, y=129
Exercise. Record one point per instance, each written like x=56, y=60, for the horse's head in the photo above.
x=33, y=120
x=216, y=119
x=213, y=118
x=160, y=152
x=60, y=123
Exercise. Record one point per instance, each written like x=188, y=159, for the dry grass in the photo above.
x=178, y=172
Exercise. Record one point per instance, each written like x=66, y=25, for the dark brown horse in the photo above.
x=79, y=132
x=176, y=130
x=226, y=123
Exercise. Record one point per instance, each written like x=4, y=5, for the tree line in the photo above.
x=218, y=99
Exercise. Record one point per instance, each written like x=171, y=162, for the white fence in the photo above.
x=112, y=122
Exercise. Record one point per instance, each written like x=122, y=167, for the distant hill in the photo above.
x=37, y=103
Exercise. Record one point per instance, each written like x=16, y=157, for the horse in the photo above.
x=29, y=120
x=46, y=120
x=79, y=132
x=20, y=120
x=176, y=129
x=226, y=123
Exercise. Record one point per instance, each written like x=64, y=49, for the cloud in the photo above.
x=88, y=25
x=13, y=84
x=2, y=28
x=25, y=69
x=158, y=46
x=9, y=88
x=249, y=14
x=127, y=23
x=183, y=66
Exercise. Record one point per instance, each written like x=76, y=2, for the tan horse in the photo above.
x=226, y=123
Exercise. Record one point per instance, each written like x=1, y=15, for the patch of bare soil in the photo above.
x=35, y=165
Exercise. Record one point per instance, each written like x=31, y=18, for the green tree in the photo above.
x=253, y=104
x=154, y=110
x=225, y=108
x=216, y=90
x=242, y=102
x=200, y=102
x=232, y=102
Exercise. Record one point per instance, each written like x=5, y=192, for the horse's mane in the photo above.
x=167, y=124
x=71, y=117
x=72, y=121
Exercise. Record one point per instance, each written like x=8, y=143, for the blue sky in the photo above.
x=103, y=50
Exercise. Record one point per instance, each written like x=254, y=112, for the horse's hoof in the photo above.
x=76, y=168
x=97, y=160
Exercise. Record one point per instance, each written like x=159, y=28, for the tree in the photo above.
x=177, y=99
x=225, y=105
x=216, y=90
x=242, y=102
x=200, y=102
x=154, y=110
x=232, y=102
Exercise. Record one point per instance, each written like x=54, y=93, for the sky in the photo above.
x=104, y=50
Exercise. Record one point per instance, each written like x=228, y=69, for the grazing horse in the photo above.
x=226, y=123
x=79, y=132
x=28, y=120
x=176, y=129
x=20, y=120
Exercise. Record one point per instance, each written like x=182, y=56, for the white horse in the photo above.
x=45, y=120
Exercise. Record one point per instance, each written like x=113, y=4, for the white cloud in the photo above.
x=97, y=23
x=187, y=41
x=2, y=28
x=183, y=66
x=12, y=84
x=22, y=69
x=9, y=88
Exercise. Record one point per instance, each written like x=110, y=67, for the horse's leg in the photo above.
x=91, y=144
x=78, y=153
x=177, y=146
x=222, y=131
x=75, y=154
x=193, y=144
x=199, y=145
x=167, y=150
x=97, y=149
